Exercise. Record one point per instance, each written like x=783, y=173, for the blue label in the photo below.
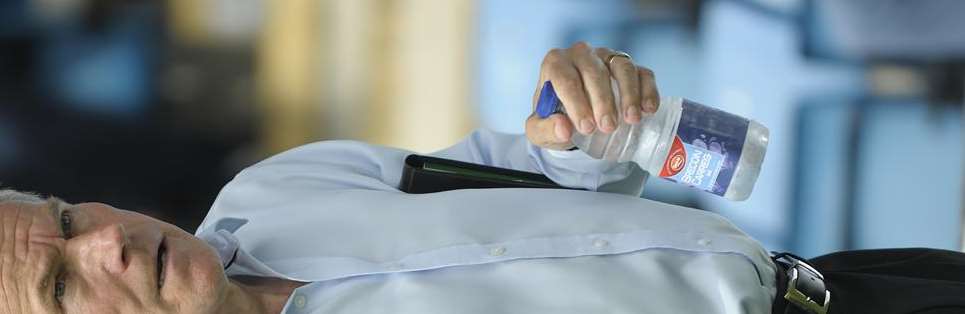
x=706, y=148
x=701, y=168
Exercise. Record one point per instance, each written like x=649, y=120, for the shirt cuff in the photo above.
x=574, y=168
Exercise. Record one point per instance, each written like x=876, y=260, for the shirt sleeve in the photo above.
x=332, y=165
x=567, y=168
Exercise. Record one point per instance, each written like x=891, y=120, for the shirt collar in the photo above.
x=223, y=240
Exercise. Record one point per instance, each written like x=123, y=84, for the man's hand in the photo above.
x=581, y=77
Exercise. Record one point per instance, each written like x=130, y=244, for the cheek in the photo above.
x=205, y=283
x=206, y=269
x=106, y=307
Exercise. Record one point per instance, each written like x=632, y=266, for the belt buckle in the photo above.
x=798, y=297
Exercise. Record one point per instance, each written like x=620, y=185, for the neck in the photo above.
x=248, y=294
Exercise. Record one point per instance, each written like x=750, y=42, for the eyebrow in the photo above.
x=53, y=206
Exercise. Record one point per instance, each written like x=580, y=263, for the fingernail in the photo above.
x=607, y=123
x=650, y=106
x=586, y=126
x=634, y=113
x=560, y=132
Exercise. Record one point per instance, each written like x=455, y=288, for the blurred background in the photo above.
x=155, y=105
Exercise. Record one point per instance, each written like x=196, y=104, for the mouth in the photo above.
x=162, y=254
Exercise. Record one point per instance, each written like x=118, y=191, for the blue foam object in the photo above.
x=548, y=104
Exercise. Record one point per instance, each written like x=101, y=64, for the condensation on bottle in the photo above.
x=684, y=142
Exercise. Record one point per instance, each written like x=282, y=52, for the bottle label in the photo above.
x=706, y=148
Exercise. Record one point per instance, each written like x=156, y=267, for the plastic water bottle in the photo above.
x=684, y=142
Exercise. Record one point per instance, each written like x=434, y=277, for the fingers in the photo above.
x=628, y=80
x=584, y=82
x=554, y=132
x=648, y=87
x=559, y=68
x=596, y=81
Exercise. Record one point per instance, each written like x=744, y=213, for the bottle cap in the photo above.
x=548, y=103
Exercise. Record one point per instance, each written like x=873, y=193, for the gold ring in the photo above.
x=615, y=54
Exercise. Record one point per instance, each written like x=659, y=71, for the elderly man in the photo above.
x=323, y=229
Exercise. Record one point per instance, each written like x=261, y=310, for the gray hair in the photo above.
x=7, y=195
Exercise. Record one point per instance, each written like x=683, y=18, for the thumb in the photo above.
x=552, y=132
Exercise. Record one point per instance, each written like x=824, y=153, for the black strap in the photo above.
x=780, y=305
x=810, y=283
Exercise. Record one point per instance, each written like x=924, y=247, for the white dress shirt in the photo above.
x=330, y=214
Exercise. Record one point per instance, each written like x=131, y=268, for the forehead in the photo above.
x=29, y=241
x=38, y=215
x=27, y=228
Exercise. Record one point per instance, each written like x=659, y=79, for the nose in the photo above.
x=104, y=248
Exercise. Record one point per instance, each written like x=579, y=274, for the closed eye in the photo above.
x=66, y=224
x=60, y=288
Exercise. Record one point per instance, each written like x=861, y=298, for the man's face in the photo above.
x=108, y=262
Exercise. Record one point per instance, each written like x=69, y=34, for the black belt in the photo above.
x=800, y=287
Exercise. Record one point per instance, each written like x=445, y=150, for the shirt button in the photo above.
x=704, y=242
x=497, y=251
x=600, y=243
x=300, y=301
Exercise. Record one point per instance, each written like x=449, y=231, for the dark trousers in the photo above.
x=893, y=281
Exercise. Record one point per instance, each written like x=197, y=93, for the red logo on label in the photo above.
x=676, y=159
